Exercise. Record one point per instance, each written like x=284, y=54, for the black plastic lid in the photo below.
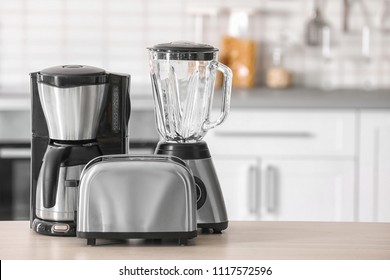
x=72, y=76
x=185, y=151
x=184, y=51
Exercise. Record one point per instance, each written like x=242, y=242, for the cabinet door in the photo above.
x=287, y=189
x=374, y=167
x=239, y=183
x=307, y=190
x=286, y=132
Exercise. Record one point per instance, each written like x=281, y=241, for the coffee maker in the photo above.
x=79, y=112
x=183, y=76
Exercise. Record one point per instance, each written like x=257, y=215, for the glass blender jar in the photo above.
x=183, y=78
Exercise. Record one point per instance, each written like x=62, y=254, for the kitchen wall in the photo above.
x=114, y=34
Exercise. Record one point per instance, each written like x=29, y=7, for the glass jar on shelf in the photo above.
x=238, y=47
x=278, y=76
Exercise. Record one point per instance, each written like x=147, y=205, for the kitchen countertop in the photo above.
x=310, y=98
x=263, y=98
x=242, y=240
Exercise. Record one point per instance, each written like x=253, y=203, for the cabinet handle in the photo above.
x=272, y=181
x=253, y=190
x=15, y=153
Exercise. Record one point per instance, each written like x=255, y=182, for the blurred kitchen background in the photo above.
x=114, y=34
x=308, y=136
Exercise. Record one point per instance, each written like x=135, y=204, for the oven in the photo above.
x=15, y=156
x=15, y=181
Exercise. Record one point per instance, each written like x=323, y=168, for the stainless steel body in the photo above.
x=66, y=196
x=137, y=197
x=72, y=113
x=213, y=210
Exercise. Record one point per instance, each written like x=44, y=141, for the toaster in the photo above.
x=143, y=197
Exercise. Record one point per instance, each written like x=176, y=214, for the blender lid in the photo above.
x=72, y=76
x=183, y=50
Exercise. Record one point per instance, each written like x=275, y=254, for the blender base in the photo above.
x=215, y=227
x=211, y=210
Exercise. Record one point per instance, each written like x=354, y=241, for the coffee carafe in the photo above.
x=73, y=100
x=183, y=76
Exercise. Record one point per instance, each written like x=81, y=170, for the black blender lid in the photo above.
x=72, y=76
x=183, y=50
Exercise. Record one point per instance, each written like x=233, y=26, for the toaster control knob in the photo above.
x=60, y=228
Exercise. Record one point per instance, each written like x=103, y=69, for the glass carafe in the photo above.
x=183, y=78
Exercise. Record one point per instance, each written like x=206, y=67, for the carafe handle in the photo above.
x=226, y=93
x=50, y=172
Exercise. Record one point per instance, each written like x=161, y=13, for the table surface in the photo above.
x=242, y=240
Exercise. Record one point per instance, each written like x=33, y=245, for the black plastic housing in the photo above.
x=66, y=76
x=185, y=151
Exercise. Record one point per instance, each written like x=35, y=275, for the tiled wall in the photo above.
x=114, y=34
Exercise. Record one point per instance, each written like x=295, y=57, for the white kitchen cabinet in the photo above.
x=374, y=166
x=290, y=165
x=288, y=189
x=285, y=132
x=237, y=178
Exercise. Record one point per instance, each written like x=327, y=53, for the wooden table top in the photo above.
x=242, y=240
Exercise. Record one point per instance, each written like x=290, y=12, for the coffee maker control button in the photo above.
x=71, y=183
x=41, y=228
x=60, y=228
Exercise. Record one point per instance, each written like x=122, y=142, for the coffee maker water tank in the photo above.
x=72, y=98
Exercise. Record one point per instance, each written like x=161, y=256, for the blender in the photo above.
x=183, y=77
x=78, y=113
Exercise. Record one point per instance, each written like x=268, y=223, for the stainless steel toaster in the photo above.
x=146, y=197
